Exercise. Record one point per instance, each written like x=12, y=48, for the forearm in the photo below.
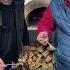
x=47, y=22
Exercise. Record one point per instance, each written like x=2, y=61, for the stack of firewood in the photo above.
x=39, y=57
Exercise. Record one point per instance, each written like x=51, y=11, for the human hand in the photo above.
x=6, y=2
x=2, y=64
x=43, y=38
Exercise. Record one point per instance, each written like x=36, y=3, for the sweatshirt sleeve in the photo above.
x=47, y=22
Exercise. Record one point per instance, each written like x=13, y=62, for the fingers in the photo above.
x=2, y=65
x=42, y=35
x=43, y=38
x=43, y=41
